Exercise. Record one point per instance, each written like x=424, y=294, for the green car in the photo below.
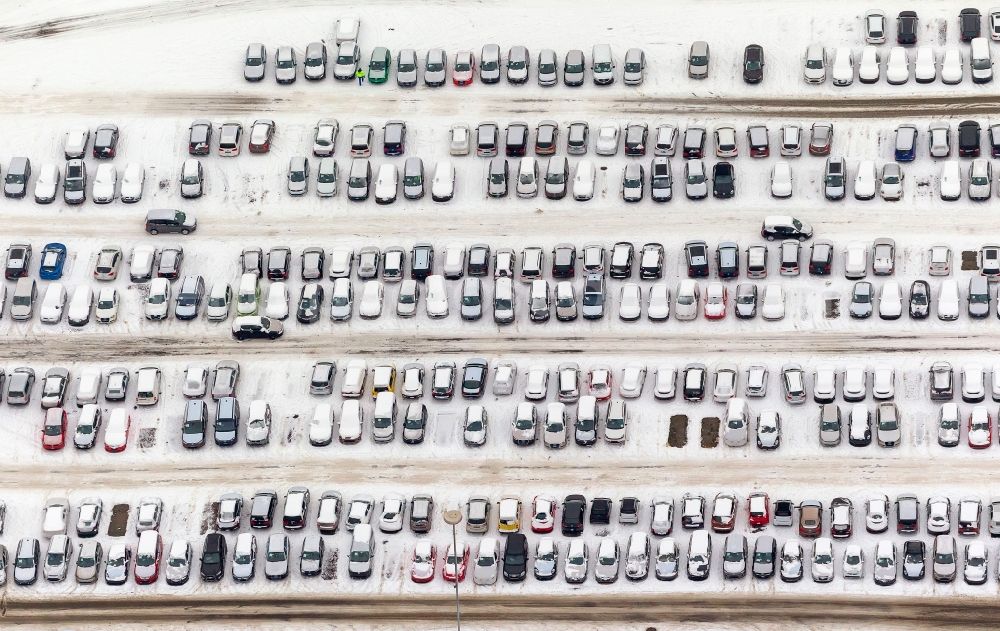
x=378, y=69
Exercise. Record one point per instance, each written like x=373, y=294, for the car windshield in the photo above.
x=297, y=175
x=732, y=555
x=344, y=60
x=634, y=66
x=434, y=66
x=546, y=68
x=699, y=60
x=615, y=423
x=378, y=64
x=633, y=182
x=474, y=426
x=358, y=182
x=15, y=178
x=696, y=178
x=412, y=180
x=405, y=66
x=602, y=66
x=814, y=64
x=723, y=176
x=753, y=64
x=279, y=555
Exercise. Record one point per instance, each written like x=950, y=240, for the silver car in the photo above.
x=489, y=64
x=192, y=179
x=574, y=68
x=298, y=175
x=518, y=64
x=888, y=431
x=276, y=561
x=667, y=556
x=945, y=559
x=311, y=561
x=346, y=63
x=548, y=74
x=606, y=567
x=406, y=68
x=245, y=557
x=57, y=559
x=88, y=561
x=285, y=65
x=255, y=62
x=635, y=66
x=577, y=562
x=698, y=60
x=314, y=65
x=413, y=178
x=734, y=557
x=178, y=563
x=326, y=178
x=119, y=559
x=435, y=68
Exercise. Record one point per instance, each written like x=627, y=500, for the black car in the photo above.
x=195, y=425
x=600, y=510
x=256, y=328
x=227, y=421
x=694, y=142
x=622, y=255
x=564, y=261
x=968, y=139
x=920, y=300
x=864, y=438
x=474, y=378
x=421, y=261
x=651, y=261
x=310, y=303
x=821, y=258
x=262, y=509
x=694, y=382
x=753, y=63
x=213, y=558
x=517, y=140
x=906, y=28
x=914, y=552
x=394, y=138
x=573, y=510
x=478, y=263
x=414, y=425
x=970, y=24
x=635, y=139
x=861, y=300
x=723, y=180
x=18, y=261
x=696, y=255
x=106, y=141
x=727, y=259
x=252, y=261
x=279, y=260
x=515, y=558
x=200, y=138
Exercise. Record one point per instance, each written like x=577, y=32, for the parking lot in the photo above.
x=185, y=62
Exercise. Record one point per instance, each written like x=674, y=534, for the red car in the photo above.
x=724, y=513
x=600, y=383
x=424, y=560
x=261, y=134
x=54, y=429
x=465, y=68
x=448, y=568
x=716, y=301
x=149, y=552
x=543, y=511
x=759, y=507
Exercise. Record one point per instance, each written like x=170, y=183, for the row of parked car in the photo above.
x=490, y=66
x=970, y=26
x=899, y=66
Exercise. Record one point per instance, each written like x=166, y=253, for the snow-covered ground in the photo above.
x=152, y=68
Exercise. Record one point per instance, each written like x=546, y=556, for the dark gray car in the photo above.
x=765, y=551
x=593, y=297
x=489, y=64
x=556, y=176
x=496, y=184
x=311, y=561
x=574, y=68
x=635, y=67
x=16, y=183
x=75, y=182
x=189, y=298
x=26, y=561
x=413, y=178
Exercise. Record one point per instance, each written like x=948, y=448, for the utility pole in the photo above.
x=453, y=517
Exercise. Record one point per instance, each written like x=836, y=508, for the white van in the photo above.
x=351, y=421
x=147, y=386
x=981, y=61
x=80, y=306
x=89, y=387
x=384, y=420
x=248, y=296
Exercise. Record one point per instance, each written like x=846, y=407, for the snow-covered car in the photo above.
x=630, y=303
x=842, y=72
x=53, y=304
x=277, y=301
x=980, y=433
x=105, y=184
x=695, y=179
x=443, y=184
x=875, y=23
x=527, y=178
x=951, y=181
x=633, y=379
x=583, y=180
x=890, y=302
x=925, y=66
x=980, y=179
x=869, y=67
x=773, y=304
x=47, y=184
x=116, y=431
x=658, y=308
x=133, y=181
x=219, y=300
x=607, y=139
x=386, y=184
x=814, y=69
x=866, y=181
x=897, y=68
x=781, y=179
x=715, y=301
x=393, y=512
x=952, y=69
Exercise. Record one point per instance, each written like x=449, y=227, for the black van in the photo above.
x=168, y=220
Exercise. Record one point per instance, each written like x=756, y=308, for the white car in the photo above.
x=583, y=181
x=666, y=382
x=948, y=301
x=487, y=562
x=458, y=140
x=133, y=181
x=883, y=383
x=53, y=304
x=116, y=431
x=866, y=181
x=351, y=421
x=925, y=66
x=824, y=384
x=219, y=299
x=387, y=184
x=854, y=561
x=633, y=379
x=371, y=299
x=870, y=66
x=814, y=69
x=695, y=179
x=158, y=300
x=939, y=142
x=277, y=301
x=436, y=301
x=537, y=385
x=843, y=67
x=973, y=383
x=393, y=511
x=979, y=427
x=105, y=184
x=890, y=301
x=773, y=305
x=607, y=139
x=854, y=386
x=822, y=560
x=688, y=297
x=555, y=433
x=80, y=306
x=980, y=179
x=47, y=184
x=897, y=68
x=658, y=308
x=952, y=69
x=527, y=178
x=781, y=179
x=258, y=423
x=577, y=562
x=630, y=305
x=855, y=260
x=951, y=181
x=994, y=23
x=443, y=184
x=107, y=305
x=891, y=183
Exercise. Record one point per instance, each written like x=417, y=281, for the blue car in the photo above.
x=906, y=143
x=53, y=258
